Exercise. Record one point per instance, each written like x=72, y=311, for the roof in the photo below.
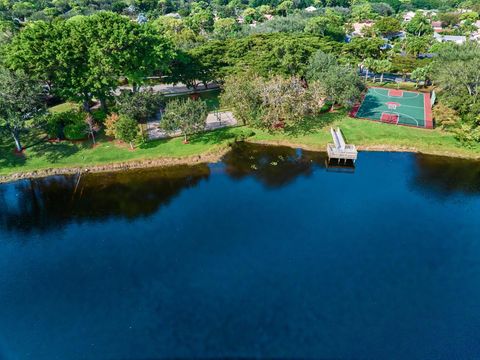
x=451, y=38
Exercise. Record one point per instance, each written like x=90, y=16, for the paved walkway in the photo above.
x=215, y=120
x=177, y=89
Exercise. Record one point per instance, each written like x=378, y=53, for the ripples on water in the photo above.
x=266, y=254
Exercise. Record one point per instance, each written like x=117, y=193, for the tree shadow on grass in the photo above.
x=53, y=152
x=9, y=158
x=213, y=137
x=153, y=143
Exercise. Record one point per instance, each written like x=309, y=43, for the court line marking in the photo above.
x=374, y=90
x=395, y=113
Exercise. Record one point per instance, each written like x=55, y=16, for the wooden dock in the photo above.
x=339, y=150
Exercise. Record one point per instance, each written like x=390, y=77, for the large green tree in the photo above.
x=21, y=99
x=456, y=72
x=85, y=56
x=339, y=83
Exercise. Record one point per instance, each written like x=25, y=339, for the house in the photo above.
x=311, y=9
x=268, y=17
x=450, y=38
x=408, y=16
x=437, y=26
x=359, y=28
x=173, y=15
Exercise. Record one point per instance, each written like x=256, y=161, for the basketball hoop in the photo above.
x=392, y=105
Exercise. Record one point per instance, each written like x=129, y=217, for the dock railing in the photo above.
x=339, y=149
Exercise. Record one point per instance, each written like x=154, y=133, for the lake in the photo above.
x=268, y=254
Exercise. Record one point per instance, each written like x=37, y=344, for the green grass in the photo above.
x=63, y=107
x=312, y=133
x=67, y=154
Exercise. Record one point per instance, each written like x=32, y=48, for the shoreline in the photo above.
x=370, y=148
x=209, y=157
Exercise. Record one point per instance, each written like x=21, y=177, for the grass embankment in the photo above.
x=310, y=134
x=369, y=135
x=83, y=154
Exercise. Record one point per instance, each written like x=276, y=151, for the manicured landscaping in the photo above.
x=312, y=133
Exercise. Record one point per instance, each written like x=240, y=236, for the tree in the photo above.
x=382, y=66
x=382, y=9
x=85, y=55
x=224, y=28
x=250, y=15
x=126, y=129
x=140, y=106
x=415, y=45
x=339, y=83
x=285, y=7
x=422, y=74
x=368, y=64
x=288, y=101
x=271, y=103
x=362, y=11
x=326, y=26
x=21, y=99
x=387, y=26
x=200, y=20
x=455, y=70
x=319, y=63
x=362, y=48
x=419, y=25
x=187, y=116
x=241, y=94
x=34, y=50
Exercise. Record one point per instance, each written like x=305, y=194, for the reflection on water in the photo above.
x=264, y=255
x=273, y=166
x=41, y=204
x=443, y=176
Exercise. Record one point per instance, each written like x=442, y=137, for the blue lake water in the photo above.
x=265, y=255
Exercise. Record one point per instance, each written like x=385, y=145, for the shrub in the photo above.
x=110, y=125
x=444, y=116
x=75, y=131
x=127, y=130
x=55, y=123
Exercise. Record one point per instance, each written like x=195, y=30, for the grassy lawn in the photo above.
x=311, y=133
x=63, y=107
x=314, y=133
x=67, y=154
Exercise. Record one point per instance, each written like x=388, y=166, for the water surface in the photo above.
x=267, y=254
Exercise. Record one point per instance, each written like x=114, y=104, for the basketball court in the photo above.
x=398, y=107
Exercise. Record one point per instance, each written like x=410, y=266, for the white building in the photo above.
x=450, y=38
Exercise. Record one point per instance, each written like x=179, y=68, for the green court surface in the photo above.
x=396, y=107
